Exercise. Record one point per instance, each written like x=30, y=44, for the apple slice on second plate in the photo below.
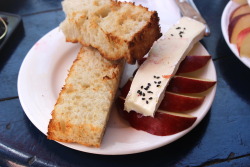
x=238, y=24
x=242, y=9
x=243, y=43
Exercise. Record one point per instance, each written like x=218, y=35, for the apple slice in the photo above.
x=175, y=102
x=243, y=43
x=180, y=84
x=243, y=9
x=171, y=101
x=240, y=1
x=193, y=63
x=238, y=24
x=141, y=61
x=190, y=63
x=125, y=89
x=242, y=35
x=162, y=124
x=180, y=103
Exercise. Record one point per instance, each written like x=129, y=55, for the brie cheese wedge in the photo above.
x=150, y=82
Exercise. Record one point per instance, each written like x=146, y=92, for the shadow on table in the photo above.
x=55, y=154
x=23, y=143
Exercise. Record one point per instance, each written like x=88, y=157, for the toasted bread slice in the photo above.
x=117, y=29
x=83, y=107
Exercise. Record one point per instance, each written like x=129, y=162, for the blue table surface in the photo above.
x=221, y=139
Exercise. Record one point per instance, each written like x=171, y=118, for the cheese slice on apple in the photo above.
x=149, y=83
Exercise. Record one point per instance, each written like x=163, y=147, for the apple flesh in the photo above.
x=243, y=9
x=180, y=84
x=243, y=43
x=238, y=24
x=242, y=35
x=240, y=1
x=193, y=63
x=189, y=64
x=180, y=103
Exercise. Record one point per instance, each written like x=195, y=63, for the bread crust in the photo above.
x=144, y=39
x=71, y=115
x=114, y=44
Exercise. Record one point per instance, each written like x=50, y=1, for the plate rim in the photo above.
x=224, y=27
x=97, y=150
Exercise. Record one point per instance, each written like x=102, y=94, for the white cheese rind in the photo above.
x=148, y=87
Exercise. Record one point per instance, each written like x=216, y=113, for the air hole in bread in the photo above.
x=103, y=12
x=96, y=3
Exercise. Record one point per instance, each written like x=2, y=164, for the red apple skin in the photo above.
x=241, y=37
x=179, y=84
x=180, y=103
x=174, y=102
x=162, y=124
x=141, y=61
x=193, y=63
x=171, y=102
x=233, y=24
x=125, y=89
x=120, y=107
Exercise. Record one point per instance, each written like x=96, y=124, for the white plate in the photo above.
x=230, y=7
x=42, y=76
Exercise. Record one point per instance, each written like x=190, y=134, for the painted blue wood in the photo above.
x=221, y=139
x=212, y=11
x=28, y=7
x=12, y=55
x=241, y=162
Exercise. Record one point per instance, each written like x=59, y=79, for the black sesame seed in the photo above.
x=159, y=82
x=143, y=98
x=180, y=35
x=158, y=85
x=154, y=76
x=158, y=78
x=147, y=102
x=178, y=28
x=172, y=34
x=150, y=98
x=138, y=91
x=149, y=84
x=141, y=87
x=150, y=92
x=155, y=82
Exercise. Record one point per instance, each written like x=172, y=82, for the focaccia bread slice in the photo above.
x=83, y=107
x=117, y=29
